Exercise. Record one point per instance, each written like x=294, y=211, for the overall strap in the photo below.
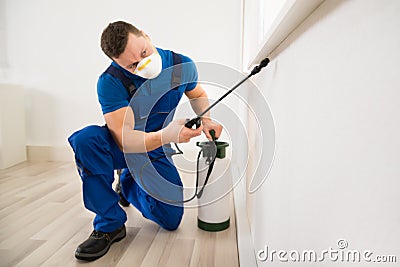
x=128, y=83
x=176, y=71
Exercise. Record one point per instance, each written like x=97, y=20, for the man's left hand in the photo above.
x=209, y=125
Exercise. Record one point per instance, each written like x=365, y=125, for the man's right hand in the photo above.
x=176, y=132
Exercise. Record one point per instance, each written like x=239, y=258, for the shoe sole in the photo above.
x=92, y=257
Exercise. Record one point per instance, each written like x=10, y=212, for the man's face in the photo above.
x=137, y=48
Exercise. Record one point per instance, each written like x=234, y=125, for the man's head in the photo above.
x=125, y=44
x=115, y=38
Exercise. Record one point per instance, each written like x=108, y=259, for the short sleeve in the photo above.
x=189, y=73
x=111, y=93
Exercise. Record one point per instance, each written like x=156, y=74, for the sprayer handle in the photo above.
x=196, y=121
x=212, y=133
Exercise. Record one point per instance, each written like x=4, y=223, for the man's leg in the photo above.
x=152, y=203
x=96, y=156
x=166, y=215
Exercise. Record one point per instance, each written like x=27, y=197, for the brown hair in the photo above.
x=115, y=37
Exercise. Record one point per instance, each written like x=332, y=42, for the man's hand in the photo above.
x=176, y=132
x=209, y=125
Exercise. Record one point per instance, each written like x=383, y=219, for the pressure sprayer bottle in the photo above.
x=214, y=199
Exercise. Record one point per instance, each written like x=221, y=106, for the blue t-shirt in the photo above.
x=113, y=95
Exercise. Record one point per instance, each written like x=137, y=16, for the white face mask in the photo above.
x=149, y=67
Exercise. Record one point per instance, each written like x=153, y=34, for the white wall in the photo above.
x=53, y=51
x=333, y=88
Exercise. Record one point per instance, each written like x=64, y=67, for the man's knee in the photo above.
x=166, y=215
x=172, y=226
x=85, y=138
x=173, y=218
x=92, y=151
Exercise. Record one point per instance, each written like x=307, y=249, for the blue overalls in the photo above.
x=97, y=156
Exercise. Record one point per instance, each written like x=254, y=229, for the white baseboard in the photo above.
x=245, y=242
x=49, y=153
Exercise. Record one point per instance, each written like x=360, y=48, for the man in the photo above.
x=138, y=107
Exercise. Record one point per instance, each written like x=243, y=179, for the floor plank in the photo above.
x=43, y=220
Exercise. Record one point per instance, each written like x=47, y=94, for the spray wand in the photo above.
x=197, y=120
x=211, y=149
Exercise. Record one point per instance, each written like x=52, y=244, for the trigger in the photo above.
x=198, y=124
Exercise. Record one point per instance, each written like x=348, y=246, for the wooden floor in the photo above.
x=42, y=221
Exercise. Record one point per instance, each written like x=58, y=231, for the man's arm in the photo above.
x=199, y=102
x=121, y=124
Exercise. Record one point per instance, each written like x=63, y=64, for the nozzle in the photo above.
x=258, y=68
x=264, y=63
